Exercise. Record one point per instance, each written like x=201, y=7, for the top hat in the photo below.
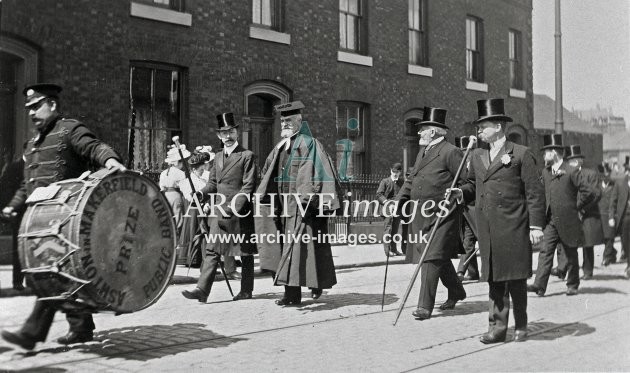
x=36, y=92
x=552, y=142
x=573, y=151
x=173, y=154
x=225, y=121
x=462, y=142
x=290, y=108
x=491, y=109
x=603, y=168
x=433, y=117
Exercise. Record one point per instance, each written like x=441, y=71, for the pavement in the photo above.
x=345, y=330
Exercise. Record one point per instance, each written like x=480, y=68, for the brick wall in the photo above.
x=87, y=45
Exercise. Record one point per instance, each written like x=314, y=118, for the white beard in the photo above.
x=287, y=132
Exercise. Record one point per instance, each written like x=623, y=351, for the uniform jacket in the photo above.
x=509, y=199
x=302, y=169
x=63, y=150
x=388, y=189
x=432, y=174
x=229, y=177
x=567, y=195
x=619, y=202
x=604, y=206
x=591, y=219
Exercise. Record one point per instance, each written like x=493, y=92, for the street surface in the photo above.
x=343, y=331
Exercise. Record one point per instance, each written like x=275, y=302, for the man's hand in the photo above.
x=535, y=236
x=8, y=212
x=455, y=194
x=113, y=164
x=611, y=223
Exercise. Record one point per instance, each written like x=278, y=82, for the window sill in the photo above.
x=476, y=86
x=420, y=70
x=354, y=58
x=269, y=35
x=160, y=14
x=517, y=93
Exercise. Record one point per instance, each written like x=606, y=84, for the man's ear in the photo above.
x=53, y=105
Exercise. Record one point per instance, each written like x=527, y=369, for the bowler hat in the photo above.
x=396, y=167
x=225, y=121
x=553, y=141
x=573, y=151
x=36, y=92
x=433, y=117
x=491, y=109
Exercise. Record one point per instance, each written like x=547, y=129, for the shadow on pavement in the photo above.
x=607, y=277
x=461, y=309
x=549, y=331
x=335, y=301
x=598, y=290
x=347, y=270
x=150, y=342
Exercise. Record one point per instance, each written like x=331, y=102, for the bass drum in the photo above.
x=103, y=242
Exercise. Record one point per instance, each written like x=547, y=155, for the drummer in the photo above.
x=62, y=148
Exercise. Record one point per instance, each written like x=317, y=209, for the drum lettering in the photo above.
x=88, y=264
x=109, y=294
x=132, y=218
x=163, y=215
x=157, y=278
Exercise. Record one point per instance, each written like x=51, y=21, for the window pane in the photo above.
x=141, y=96
x=416, y=16
x=266, y=13
x=353, y=6
x=166, y=100
x=342, y=31
x=352, y=34
x=256, y=11
x=343, y=5
x=411, y=12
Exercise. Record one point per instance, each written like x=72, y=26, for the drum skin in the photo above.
x=121, y=230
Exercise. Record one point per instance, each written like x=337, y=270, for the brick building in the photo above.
x=363, y=68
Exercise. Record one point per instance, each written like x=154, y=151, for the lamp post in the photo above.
x=559, y=123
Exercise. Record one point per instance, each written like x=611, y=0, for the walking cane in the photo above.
x=470, y=257
x=473, y=139
x=384, y=283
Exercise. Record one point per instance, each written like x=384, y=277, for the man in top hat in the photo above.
x=62, y=149
x=434, y=171
x=567, y=193
x=388, y=188
x=503, y=179
x=606, y=185
x=297, y=193
x=232, y=180
x=590, y=216
x=619, y=214
x=468, y=262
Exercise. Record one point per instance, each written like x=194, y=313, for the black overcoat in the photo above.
x=591, y=218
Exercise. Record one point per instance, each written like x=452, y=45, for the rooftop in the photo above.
x=545, y=117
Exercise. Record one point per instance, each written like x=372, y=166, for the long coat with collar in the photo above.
x=388, y=189
x=619, y=202
x=509, y=200
x=432, y=174
x=305, y=173
x=591, y=218
x=233, y=178
x=604, y=207
x=566, y=195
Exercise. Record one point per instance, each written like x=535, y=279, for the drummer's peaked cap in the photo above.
x=290, y=108
x=225, y=121
x=36, y=92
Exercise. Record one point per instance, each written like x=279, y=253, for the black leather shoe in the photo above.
x=572, y=291
x=489, y=338
x=587, y=277
x=460, y=276
x=233, y=276
x=316, y=293
x=242, y=295
x=421, y=314
x=18, y=339
x=76, y=337
x=520, y=335
x=450, y=303
x=196, y=294
x=18, y=287
x=535, y=289
x=608, y=261
x=288, y=302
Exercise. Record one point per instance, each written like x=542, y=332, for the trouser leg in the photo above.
x=247, y=273
x=208, y=271
x=293, y=293
x=625, y=238
x=499, y=308
x=429, y=277
x=562, y=258
x=609, y=249
x=38, y=323
x=80, y=322
x=387, y=231
x=469, y=246
x=394, y=232
x=573, y=267
x=545, y=257
x=229, y=263
x=449, y=279
x=588, y=259
x=518, y=292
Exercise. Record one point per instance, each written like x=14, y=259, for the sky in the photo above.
x=595, y=53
